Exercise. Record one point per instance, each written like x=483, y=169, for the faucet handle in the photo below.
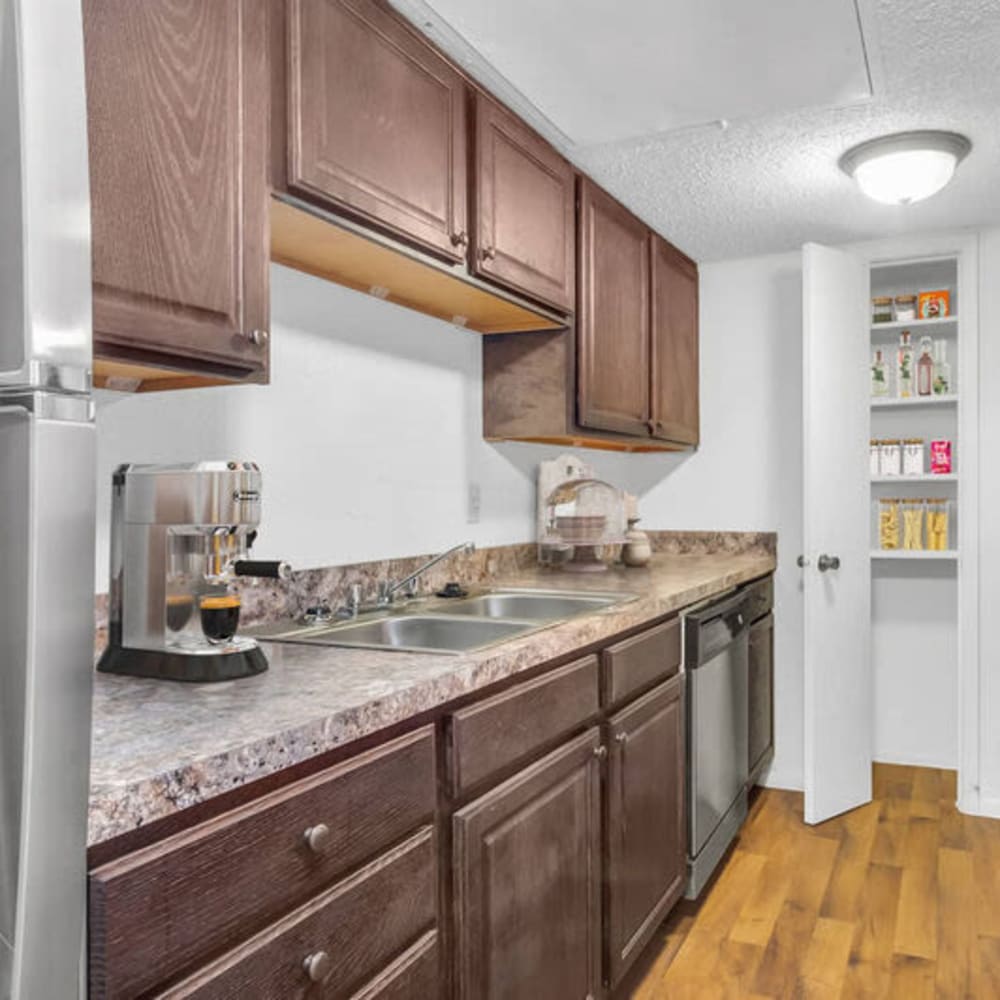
x=384, y=591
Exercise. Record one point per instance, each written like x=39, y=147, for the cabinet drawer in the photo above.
x=415, y=975
x=357, y=927
x=501, y=730
x=634, y=664
x=759, y=597
x=165, y=908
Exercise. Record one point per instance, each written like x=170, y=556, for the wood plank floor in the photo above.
x=898, y=899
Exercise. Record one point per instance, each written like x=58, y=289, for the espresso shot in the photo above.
x=179, y=608
x=220, y=617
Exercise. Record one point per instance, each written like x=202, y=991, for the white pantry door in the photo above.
x=836, y=532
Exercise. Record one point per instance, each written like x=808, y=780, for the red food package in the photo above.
x=940, y=457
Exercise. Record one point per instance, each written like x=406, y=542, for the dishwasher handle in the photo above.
x=712, y=630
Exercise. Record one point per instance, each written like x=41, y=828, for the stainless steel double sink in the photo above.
x=455, y=625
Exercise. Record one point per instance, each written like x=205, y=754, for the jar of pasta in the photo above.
x=913, y=524
x=888, y=523
x=938, y=518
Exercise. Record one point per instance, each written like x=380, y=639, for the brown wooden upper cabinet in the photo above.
x=637, y=314
x=377, y=123
x=524, y=218
x=613, y=316
x=177, y=117
x=674, y=343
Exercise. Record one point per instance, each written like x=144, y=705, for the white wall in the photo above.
x=989, y=526
x=371, y=433
x=748, y=473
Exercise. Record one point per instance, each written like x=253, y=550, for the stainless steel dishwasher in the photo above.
x=716, y=655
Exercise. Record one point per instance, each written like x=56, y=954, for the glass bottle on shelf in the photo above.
x=925, y=367
x=942, y=370
x=880, y=376
x=904, y=366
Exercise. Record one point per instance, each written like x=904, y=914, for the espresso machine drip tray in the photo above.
x=241, y=659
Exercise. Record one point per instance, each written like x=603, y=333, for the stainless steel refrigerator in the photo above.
x=46, y=500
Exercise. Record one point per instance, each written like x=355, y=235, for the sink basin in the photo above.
x=426, y=633
x=458, y=625
x=539, y=606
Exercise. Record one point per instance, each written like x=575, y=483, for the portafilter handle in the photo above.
x=269, y=569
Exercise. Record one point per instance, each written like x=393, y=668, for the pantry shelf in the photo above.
x=927, y=477
x=914, y=324
x=890, y=402
x=926, y=554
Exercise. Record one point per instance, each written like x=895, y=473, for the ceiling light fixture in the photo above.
x=906, y=167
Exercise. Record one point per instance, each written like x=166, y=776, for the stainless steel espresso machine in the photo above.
x=179, y=535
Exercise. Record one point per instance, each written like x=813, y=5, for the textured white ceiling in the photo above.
x=770, y=182
x=679, y=63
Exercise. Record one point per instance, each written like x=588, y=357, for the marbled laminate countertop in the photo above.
x=159, y=746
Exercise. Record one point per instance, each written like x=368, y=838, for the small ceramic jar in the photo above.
x=637, y=550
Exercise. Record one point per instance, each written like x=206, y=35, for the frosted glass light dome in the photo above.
x=907, y=167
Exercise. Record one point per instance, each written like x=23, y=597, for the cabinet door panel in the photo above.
x=525, y=218
x=674, y=359
x=761, y=690
x=527, y=880
x=377, y=122
x=177, y=118
x=645, y=820
x=613, y=316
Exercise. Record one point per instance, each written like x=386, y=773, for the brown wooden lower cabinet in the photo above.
x=761, y=692
x=644, y=823
x=527, y=870
x=550, y=881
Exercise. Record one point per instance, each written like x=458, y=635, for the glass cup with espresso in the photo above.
x=179, y=608
x=220, y=617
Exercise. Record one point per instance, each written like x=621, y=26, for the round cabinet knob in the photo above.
x=826, y=562
x=600, y=752
x=317, y=837
x=621, y=737
x=459, y=239
x=317, y=966
x=258, y=338
x=489, y=253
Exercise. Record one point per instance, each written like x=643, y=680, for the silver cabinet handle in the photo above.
x=600, y=752
x=258, y=338
x=317, y=966
x=826, y=562
x=317, y=837
x=459, y=239
x=621, y=737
